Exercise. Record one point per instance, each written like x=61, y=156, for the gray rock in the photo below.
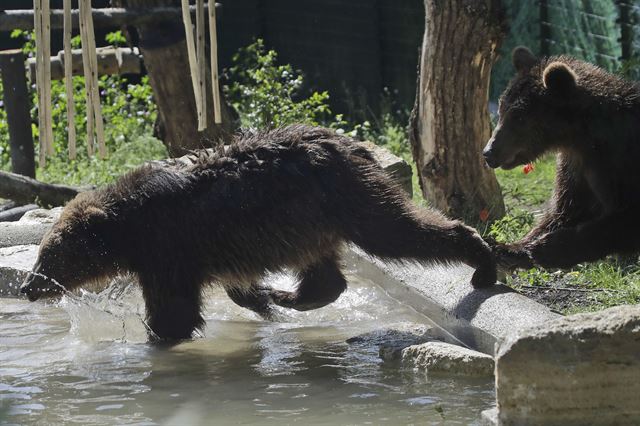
x=395, y=338
x=442, y=357
x=15, y=264
x=29, y=229
x=581, y=369
x=397, y=168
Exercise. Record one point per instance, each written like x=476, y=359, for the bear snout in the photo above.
x=490, y=156
x=36, y=286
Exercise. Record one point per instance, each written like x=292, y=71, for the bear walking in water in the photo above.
x=287, y=198
x=592, y=120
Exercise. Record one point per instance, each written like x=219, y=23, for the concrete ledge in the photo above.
x=15, y=264
x=29, y=229
x=478, y=318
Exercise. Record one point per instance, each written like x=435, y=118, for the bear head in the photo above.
x=533, y=111
x=74, y=251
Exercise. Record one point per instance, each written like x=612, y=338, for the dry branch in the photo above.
x=68, y=79
x=193, y=62
x=213, y=34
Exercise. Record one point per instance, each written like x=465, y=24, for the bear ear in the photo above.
x=559, y=78
x=523, y=60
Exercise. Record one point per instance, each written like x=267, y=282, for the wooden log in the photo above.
x=25, y=190
x=16, y=104
x=15, y=213
x=103, y=18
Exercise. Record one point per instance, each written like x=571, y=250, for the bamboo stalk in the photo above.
x=88, y=81
x=46, y=63
x=97, y=107
x=202, y=58
x=215, y=85
x=68, y=79
x=37, y=24
x=193, y=65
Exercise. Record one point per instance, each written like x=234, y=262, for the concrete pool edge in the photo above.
x=478, y=318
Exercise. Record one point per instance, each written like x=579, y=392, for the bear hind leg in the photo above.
x=321, y=283
x=256, y=298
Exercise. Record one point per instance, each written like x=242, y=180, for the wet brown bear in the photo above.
x=286, y=198
x=592, y=120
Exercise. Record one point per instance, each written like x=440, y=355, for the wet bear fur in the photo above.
x=286, y=199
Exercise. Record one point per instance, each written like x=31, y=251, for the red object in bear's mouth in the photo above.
x=484, y=215
x=528, y=168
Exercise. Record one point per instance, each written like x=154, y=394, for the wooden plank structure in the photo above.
x=22, y=19
x=21, y=186
x=111, y=60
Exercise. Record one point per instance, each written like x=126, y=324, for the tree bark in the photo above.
x=450, y=121
x=164, y=50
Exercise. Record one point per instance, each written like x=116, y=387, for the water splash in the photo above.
x=113, y=314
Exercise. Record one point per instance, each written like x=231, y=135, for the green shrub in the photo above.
x=268, y=95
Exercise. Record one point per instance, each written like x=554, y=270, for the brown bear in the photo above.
x=286, y=198
x=591, y=118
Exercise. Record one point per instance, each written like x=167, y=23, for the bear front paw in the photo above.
x=511, y=257
x=484, y=277
x=556, y=249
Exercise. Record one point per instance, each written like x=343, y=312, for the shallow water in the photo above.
x=85, y=360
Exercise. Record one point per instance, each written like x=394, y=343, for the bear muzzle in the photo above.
x=35, y=286
x=490, y=156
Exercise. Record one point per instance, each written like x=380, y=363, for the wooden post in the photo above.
x=545, y=29
x=16, y=103
x=625, y=22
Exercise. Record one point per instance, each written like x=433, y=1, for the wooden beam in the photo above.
x=103, y=18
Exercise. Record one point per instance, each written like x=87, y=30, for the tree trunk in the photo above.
x=450, y=121
x=164, y=50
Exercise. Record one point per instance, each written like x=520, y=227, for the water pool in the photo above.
x=85, y=361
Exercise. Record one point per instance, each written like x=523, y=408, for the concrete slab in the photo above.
x=29, y=229
x=15, y=264
x=478, y=318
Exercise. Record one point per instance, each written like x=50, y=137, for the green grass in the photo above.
x=586, y=287
x=123, y=156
